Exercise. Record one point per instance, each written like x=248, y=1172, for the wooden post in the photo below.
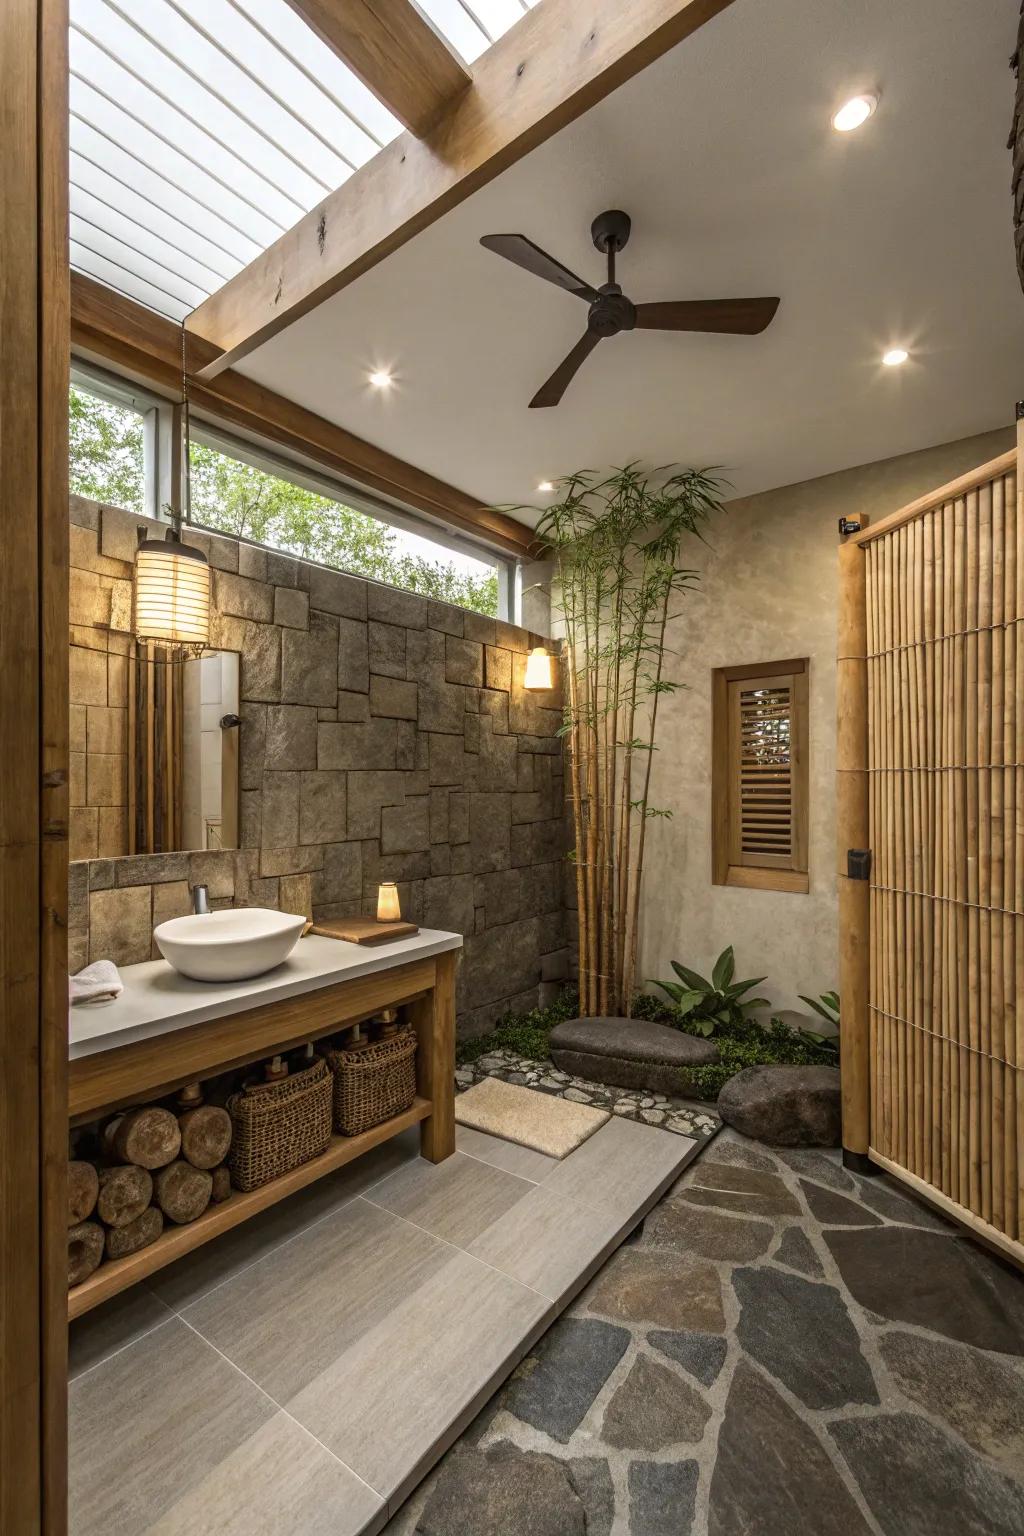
x=852, y=831
x=34, y=323
x=434, y=1020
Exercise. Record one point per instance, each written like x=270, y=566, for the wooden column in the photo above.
x=34, y=323
x=434, y=1020
x=852, y=831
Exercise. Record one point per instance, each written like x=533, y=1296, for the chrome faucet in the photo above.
x=200, y=899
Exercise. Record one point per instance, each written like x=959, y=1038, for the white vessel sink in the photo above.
x=228, y=946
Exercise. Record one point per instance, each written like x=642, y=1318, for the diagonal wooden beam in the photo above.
x=112, y=328
x=395, y=52
x=558, y=61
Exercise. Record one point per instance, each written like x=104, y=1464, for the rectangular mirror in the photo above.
x=155, y=770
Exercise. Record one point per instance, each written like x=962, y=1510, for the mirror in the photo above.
x=183, y=721
x=155, y=769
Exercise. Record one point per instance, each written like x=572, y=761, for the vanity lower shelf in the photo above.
x=118, y=1274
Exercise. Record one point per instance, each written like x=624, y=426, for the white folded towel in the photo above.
x=97, y=983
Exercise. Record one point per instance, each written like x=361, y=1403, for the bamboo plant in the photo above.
x=616, y=542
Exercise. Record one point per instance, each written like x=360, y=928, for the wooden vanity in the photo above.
x=166, y=1031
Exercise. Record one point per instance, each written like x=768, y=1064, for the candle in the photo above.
x=388, y=908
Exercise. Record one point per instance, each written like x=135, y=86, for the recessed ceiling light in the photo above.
x=894, y=357
x=544, y=487
x=381, y=379
x=854, y=112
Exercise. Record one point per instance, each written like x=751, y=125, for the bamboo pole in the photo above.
x=853, y=832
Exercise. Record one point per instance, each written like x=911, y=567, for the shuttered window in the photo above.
x=759, y=775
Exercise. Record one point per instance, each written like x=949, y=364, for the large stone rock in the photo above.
x=662, y=1497
x=503, y=1490
x=652, y=1410
x=629, y=1053
x=933, y=1281
x=784, y=1106
x=920, y=1482
x=801, y=1333
x=772, y=1473
x=554, y=1388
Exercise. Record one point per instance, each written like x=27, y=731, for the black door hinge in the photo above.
x=858, y=863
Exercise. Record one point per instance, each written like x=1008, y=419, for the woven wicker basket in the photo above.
x=278, y=1126
x=373, y=1084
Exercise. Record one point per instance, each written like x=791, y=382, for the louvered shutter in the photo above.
x=762, y=768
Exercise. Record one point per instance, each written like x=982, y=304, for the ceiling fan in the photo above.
x=611, y=312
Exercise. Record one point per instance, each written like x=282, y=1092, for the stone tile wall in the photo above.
x=385, y=736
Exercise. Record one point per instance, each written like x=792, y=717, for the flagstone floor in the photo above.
x=783, y=1349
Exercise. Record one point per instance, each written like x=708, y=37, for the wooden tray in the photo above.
x=364, y=930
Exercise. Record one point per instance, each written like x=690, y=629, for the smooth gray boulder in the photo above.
x=784, y=1106
x=630, y=1053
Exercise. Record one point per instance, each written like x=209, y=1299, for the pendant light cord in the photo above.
x=186, y=437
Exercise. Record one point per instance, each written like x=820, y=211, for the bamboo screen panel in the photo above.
x=945, y=598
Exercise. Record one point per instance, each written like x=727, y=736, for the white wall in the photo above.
x=768, y=593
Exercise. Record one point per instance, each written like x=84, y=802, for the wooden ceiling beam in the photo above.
x=557, y=62
x=395, y=52
x=108, y=326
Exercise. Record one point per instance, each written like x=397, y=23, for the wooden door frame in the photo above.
x=34, y=316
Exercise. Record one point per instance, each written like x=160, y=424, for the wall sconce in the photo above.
x=172, y=594
x=388, y=907
x=539, y=670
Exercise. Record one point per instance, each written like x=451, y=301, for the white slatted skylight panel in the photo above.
x=471, y=26
x=200, y=131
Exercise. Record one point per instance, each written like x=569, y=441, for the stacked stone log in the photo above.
x=151, y=1165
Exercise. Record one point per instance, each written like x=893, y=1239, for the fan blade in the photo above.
x=741, y=317
x=532, y=259
x=551, y=392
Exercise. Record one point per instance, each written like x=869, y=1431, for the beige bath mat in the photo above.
x=542, y=1121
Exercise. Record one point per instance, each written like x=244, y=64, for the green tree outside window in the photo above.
x=107, y=465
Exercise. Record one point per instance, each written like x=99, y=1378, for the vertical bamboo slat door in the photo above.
x=942, y=1029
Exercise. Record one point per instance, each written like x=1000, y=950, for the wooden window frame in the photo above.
x=726, y=867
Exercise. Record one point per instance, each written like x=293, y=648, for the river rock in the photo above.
x=630, y=1053
x=784, y=1106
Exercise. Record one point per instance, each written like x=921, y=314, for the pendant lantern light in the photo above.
x=539, y=671
x=172, y=594
x=172, y=579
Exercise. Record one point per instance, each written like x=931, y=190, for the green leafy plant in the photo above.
x=827, y=1008
x=525, y=1034
x=703, y=1006
x=746, y=1043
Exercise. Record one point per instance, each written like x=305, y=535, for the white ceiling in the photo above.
x=723, y=154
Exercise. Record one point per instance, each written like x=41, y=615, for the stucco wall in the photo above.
x=768, y=593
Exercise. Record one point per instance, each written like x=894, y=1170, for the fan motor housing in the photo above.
x=611, y=313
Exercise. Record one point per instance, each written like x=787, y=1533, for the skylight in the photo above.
x=202, y=129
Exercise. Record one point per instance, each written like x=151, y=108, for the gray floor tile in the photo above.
x=150, y=1424
x=279, y=1482
x=398, y=1392
x=288, y=1318
x=197, y=1273
x=548, y=1242
x=621, y=1167
x=112, y=1326
x=455, y=1200
x=522, y=1161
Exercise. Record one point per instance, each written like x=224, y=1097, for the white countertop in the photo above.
x=157, y=1000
